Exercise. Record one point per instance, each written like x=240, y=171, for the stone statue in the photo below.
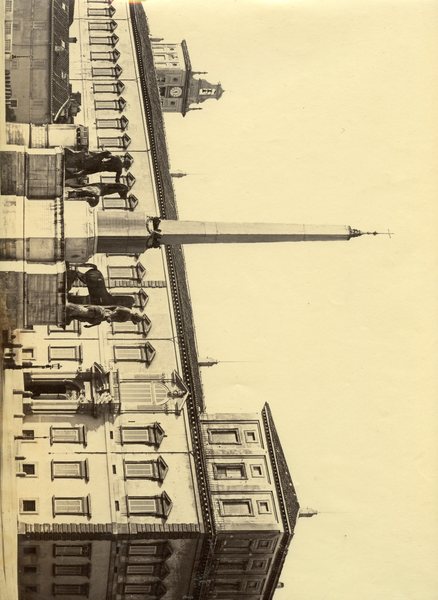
x=95, y=315
x=93, y=191
x=98, y=293
x=82, y=163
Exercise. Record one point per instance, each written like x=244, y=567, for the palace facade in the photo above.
x=126, y=487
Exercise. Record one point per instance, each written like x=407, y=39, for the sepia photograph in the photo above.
x=218, y=300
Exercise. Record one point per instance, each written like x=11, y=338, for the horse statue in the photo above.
x=98, y=294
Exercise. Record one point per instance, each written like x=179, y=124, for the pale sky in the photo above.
x=330, y=115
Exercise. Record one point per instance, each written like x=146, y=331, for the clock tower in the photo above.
x=177, y=84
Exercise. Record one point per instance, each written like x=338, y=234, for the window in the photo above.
x=72, y=550
x=156, y=506
x=29, y=469
x=144, y=393
x=13, y=103
x=118, y=104
x=148, y=469
x=135, y=273
x=223, y=436
x=70, y=469
x=263, y=507
x=31, y=589
x=259, y=565
x=251, y=436
x=229, y=471
x=28, y=434
x=108, y=87
x=253, y=585
x=161, y=549
x=121, y=141
x=68, y=435
x=232, y=564
x=113, y=72
x=28, y=505
x=257, y=470
x=102, y=25
x=30, y=550
x=121, y=123
x=265, y=544
x=140, y=298
x=101, y=12
x=143, y=569
x=227, y=585
x=82, y=570
x=129, y=203
x=111, y=55
x=65, y=353
x=71, y=506
x=142, y=328
x=106, y=40
x=30, y=569
x=27, y=354
x=151, y=435
x=70, y=589
x=144, y=353
x=74, y=327
x=127, y=179
x=236, y=508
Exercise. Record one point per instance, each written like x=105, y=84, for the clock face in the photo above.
x=175, y=92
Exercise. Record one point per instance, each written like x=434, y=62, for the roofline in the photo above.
x=174, y=256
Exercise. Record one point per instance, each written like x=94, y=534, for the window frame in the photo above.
x=155, y=434
x=118, y=141
x=218, y=466
x=100, y=11
x=162, y=503
x=85, y=550
x=105, y=55
x=228, y=501
x=83, y=569
x=159, y=469
x=248, y=433
x=119, y=123
x=102, y=25
x=129, y=203
x=118, y=104
x=25, y=463
x=268, y=510
x=109, y=87
x=142, y=328
x=262, y=471
x=85, y=502
x=22, y=510
x=74, y=327
x=81, y=435
x=113, y=72
x=77, y=350
x=76, y=589
x=83, y=470
x=212, y=432
x=104, y=40
x=146, y=353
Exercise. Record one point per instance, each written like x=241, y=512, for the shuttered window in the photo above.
x=70, y=570
x=72, y=435
x=158, y=506
x=101, y=12
x=121, y=141
x=111, y=55
x=118, y=104
x=133, y=328
x=71, y=506
x=149, y=434
x=102, y=25
x=143, y=550
x=113, y=72
x=137, y=588
x=121, y=123
x=70, y=589
x=133, y=273
x=70, y=469
x=144, y=353
x=65, y=353
x=150, y=469
x=145, y=569
x=108, y=87
x=105, y=40
x=144, y=392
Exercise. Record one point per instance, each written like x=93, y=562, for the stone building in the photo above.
x=125, y=487
x=177, y=84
